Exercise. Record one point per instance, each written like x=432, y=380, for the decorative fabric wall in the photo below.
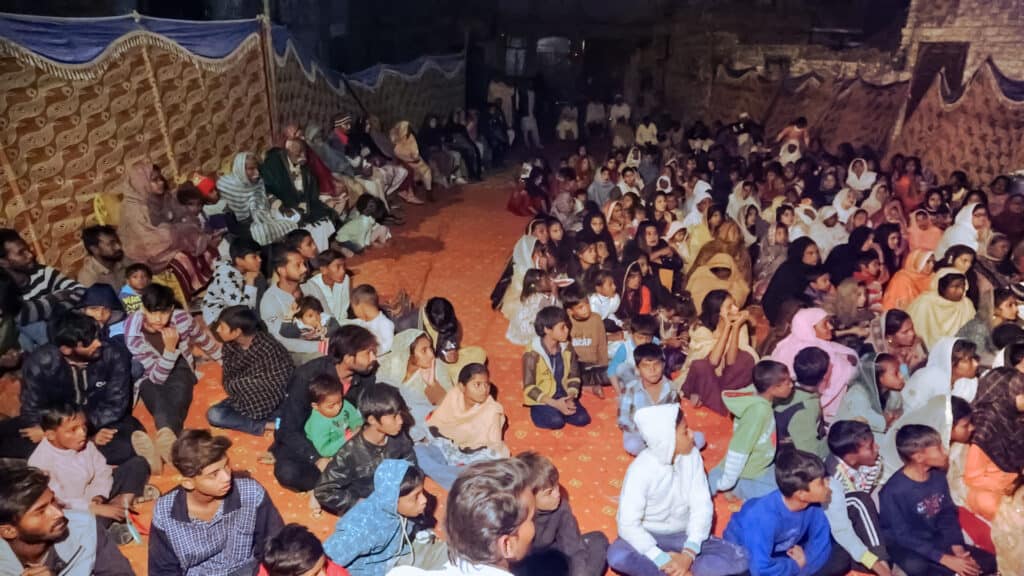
x=809, y=96
x=82, y=98
x=862, y=114
x=736, y=91
x=306, y=94
x=979, y=132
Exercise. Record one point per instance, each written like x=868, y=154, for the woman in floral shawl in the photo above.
x=246, y=198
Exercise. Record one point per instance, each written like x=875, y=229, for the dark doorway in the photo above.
x=931, y=58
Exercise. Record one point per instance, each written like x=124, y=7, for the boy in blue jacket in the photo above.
x=786, y=532
x=378, y=532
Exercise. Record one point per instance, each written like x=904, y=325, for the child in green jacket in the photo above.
x=333, y=419
x=748, y=470
x=798, y=419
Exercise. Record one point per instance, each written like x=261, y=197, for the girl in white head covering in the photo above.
x=827, y=232
x=845, y=204
x=859, y=178
x=968, y=229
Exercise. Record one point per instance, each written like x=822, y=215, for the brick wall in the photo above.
x=994, y=28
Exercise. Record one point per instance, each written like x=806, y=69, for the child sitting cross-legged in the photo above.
x=295, y=551
x=551, y=374
x=365, y=311
x=380, y=531
x=665, y=510
x=786, y=531
x=557, y=539
x=467, y=426
x=80, y=476
x=589, y=340
x=348, y=477
x=919, y=519
x=621, y=367
x=747, y=469
x=855, y=469
x=331, y=423
x=649, y=388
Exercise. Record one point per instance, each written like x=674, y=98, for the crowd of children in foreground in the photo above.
x=844, y=342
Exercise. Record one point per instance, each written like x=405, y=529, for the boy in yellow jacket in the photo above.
x=551, y=374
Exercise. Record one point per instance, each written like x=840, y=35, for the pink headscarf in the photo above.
x=842, y=359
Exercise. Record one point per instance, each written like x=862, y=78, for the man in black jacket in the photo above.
x=80, y=369
x=352, y=358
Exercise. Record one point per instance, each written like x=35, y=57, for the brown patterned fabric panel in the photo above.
x=861, y=114
x=979, y=133
x=64, y=141
x=750, y=93
x=811, y=99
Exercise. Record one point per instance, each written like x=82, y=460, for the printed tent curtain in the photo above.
x=83, y=97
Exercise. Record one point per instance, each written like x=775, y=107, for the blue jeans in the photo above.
x=222, y=415
x=717, y=557
x=544, y=416
x=432, y=461
x=746, y=488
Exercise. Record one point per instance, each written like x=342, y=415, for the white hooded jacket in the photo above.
x=662, y=494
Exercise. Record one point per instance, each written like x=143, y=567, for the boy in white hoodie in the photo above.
x=665, y=510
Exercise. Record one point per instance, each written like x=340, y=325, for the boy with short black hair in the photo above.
x=604, y=300
x=551, y=374
x=296, y=551
x=489, y=520
x=786, y=531
x=333, y=420
x=136, y=278
x=366, y=310
x=331, y=285
x=650, y=388
x=589, y=340
x=80, y=476
x=236, y=281
x=869, y=272
x=919, y=519
x=665, y=509
x=380, y=531
x=622, y=367
x=557, y=531
x=747, y=469
x=798, y=419
x=819, y=285
x=213, y=522
x=855, y=468
x=348, y=477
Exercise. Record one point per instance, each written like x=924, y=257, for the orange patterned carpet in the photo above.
x=457, y=248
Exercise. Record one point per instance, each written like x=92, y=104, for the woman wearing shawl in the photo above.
x=952, y=369
x=992, y=268
x=910, y=281
x=805, y=217
x=246, y=198
x=720, y=356
x=790, y=280
x=412, y=367
x=893, y=333
x=845, y=204
x=408, y=152
x=595, y=229
x=995, y=457
x=850, y=315
x=867, y=399
x=615, y=220
x=889, y=242
x=827, y=232
x=742, y=196
x=151, y=238
x=813, y=327
x=718, y=273
x=637, y=292
x=892, y=212
x=675, y=237
x=438, y=320
x=525, y=255
x=968, y=229
x=771, y=255
x=877, y=199
x=943, y=309
x=842, y=262
x=859, y=178
x=659, y=255
x=923, y=234
x=602, y=189
x=728, y=240
x=1011, y=220
x=696, y=217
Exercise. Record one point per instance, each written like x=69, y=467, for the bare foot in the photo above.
x=265, y=458
x=695, y=400
x=314, y=506
x=599, y=391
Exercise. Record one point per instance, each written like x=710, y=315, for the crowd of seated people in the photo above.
x=859, y=324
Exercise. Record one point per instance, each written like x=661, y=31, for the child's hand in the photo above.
x=33, y=433
x=321, y=463
x=170, y=336
x=678, y=565
x=891, y=417
x=104, y=436
x=881, y=568
x=293, y=310
x=965, y=566
x=797, y=554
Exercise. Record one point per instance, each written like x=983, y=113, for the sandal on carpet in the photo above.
x=266, y=458
x=143, y=446
x=149, y=493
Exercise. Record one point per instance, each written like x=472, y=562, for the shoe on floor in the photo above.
x=165, y=439
x=143, y=446
x=120, y=534
x=410, y=198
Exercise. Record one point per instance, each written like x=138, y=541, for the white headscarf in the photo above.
x=694, y=216
x=845, y=213
x=803, y=221
x=827, y=237
x=522, y=255
x=865, y=181
x=737, y=204
x=701, y=187
x=961, y=232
